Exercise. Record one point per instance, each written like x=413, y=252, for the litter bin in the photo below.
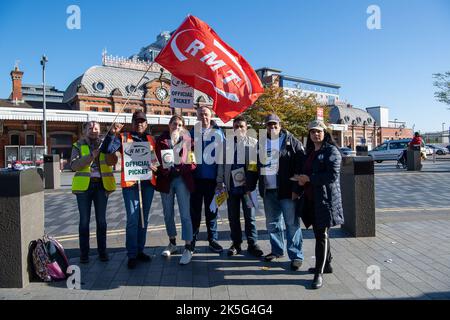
x=21, y=221
x=358, y=196
x=362, y=151
x=413, y=159
x=52, y=172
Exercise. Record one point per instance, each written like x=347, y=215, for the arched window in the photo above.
x=30, y=138
x=14, y=138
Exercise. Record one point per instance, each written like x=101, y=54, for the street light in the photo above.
x=44, y=60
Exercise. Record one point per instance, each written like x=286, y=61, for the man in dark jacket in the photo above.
x=281, y=160
x=239, y=175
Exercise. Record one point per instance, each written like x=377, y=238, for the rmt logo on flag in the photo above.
x=196, y=55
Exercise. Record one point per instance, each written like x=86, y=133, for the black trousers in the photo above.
x=323, y=252
x=203, y=194
x=234, y=218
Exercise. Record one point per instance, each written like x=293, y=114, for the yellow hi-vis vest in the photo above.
x=82, y=177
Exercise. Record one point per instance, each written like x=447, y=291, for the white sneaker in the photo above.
x=170, y=249
x=186, y=257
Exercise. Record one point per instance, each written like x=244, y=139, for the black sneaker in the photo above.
x=326, y=269
x=132, y=263
x=84, y=259
x=255, y=250
x=234, y=250
x=103, y=257
x=215, y=246
x=143, y=257
x=271, y=256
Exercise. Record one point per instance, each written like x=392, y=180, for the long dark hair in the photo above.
x=328, y=138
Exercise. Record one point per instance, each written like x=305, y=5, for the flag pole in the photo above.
x=128, y=99
x=141, y=211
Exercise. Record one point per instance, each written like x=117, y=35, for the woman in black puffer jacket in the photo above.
x=322, y=203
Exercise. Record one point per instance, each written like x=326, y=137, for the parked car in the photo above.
x=347, y=152
x=389, y=150
x=428, y=151
x=437, y=149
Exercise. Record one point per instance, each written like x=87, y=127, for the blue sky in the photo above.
x=322, y=40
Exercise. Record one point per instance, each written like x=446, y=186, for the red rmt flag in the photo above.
x=196, y=55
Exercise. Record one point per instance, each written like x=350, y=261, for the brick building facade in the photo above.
x=98, y=94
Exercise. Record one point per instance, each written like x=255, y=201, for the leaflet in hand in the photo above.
x=167, y=158
x=219, y=198
x=238, y=177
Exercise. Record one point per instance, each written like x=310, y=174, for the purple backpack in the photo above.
x=47, y=259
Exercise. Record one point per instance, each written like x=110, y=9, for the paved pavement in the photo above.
x=411, y=250
x=396, y=190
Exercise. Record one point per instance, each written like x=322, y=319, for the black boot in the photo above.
x=317, y=282
x=326, y=269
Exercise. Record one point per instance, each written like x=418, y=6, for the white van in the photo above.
x=389, y=150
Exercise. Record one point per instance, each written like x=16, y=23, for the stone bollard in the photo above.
x=413, y=160
x=21, y=221
x=362, y=151
x=358, y=196
x=52, y=172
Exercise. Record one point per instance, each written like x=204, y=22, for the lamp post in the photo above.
x=443, y=132
x=44, y=60
x=375, y=133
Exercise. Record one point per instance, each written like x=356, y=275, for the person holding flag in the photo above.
x=137, y=204
x=196, y=55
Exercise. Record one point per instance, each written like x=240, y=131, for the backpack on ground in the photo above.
x=47, y=260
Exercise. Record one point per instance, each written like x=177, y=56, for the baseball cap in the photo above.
x=317, y=125
x=272, y=118
x=139, y=115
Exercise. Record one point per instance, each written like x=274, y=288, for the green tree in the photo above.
x=294, y=110
x=442, y=82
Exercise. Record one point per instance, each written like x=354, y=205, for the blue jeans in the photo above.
x=135, y=233
x=234, y=218
x=97, y=194
x=275, y=209
x=177, y=187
